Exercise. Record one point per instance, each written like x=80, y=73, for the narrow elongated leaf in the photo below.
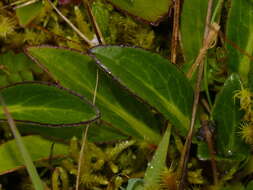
x=39, y=149
x=27, y=13
x=227, y=115
x=78, y=72
x=152, y=78
x=158, y=163
x=240, y=33
x=46, y=104
x=192, y=27
x=148, y=10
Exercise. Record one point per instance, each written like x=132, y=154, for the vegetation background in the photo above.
x=126, y=94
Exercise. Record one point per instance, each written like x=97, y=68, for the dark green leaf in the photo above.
x=46, y=104
x=28, y=13
x=250, y=186
x=152, y=78
x=39, y=149
x=240, y=34
x=16, y=68
x=78, y=72
x=148, y=10
x=227, y=115
x=98, y=132
x=192, y=27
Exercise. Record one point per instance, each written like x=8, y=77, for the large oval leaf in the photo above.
x=152, y=78
x=227, y=115
x=39, y=149
x=46, y=104
x=78, y=72
x=148, y=10
x=240, y=33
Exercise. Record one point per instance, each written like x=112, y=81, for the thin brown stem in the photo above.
x=187, y=146
x=208, y=137
x=211, y=37
x=208, y=40
x=94, y=23
x=234, y=45
x=175, y=32
x=208, y=19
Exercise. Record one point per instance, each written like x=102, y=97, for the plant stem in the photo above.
x=38, y=185
x=217, y=10
x=94, y=23
x=209, y=37
x=208, y=137
x=175, y=32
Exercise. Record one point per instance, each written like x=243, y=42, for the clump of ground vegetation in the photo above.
x=168, y=89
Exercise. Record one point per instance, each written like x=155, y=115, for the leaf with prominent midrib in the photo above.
x=77, y=71
x=46, y=104
x=240, y=37
x=227, y=115
x=152, y=78
x=39, y=149
x=148, y=10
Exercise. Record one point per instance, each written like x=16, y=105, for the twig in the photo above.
x=90, y=43
x=175, y=32
x=94, y=23
x=208, y=19
x=18, y=2
x=101, y=41
x=187, y=146
x=38, y=185
x=234, y=45
x=209, y=38
x=208, y=137
x=25, y=4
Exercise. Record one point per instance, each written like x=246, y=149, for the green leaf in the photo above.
x=148, y=10
x=27, y=13
x=192, y=28
x=46, y=104
x=158, y=163
x=98, y=132
x=227, y=115
x=135, y=184
x=250, y=185
x=233, y=186
x=39, y=149
x=152, y=78
x=240, y=33
x=16, y=68
x=78, y=72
